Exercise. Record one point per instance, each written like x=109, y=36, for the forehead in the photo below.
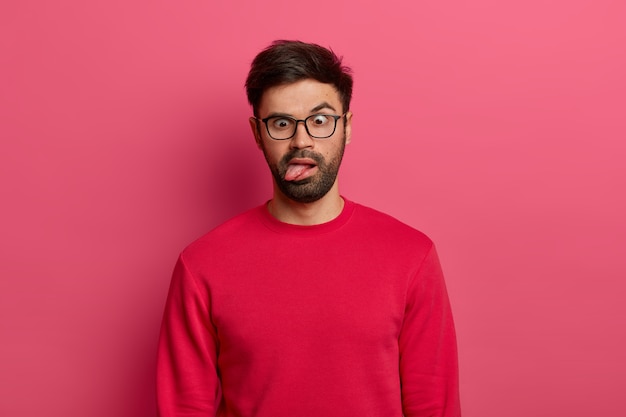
x=299, y=98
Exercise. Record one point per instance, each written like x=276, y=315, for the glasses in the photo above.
x=318, y=126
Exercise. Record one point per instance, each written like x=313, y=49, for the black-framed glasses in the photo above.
x=318, y=126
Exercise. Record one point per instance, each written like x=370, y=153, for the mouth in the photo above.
x=300, y=168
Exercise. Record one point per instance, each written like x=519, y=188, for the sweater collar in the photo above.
x=295, y=229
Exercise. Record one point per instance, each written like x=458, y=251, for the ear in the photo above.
x=254, y=125
x=348, y=126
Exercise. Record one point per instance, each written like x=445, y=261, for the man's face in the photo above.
x=304, y=168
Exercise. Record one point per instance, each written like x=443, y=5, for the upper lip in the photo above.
x=302, y=161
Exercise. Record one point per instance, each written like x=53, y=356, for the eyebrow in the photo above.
x=322, y=105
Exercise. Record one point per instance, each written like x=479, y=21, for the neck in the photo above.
x=306, y=214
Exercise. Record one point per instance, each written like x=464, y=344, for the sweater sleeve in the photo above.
x=187, y=380
x=427, y=345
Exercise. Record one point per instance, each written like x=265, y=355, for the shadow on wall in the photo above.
x=215, y=171
x=229, y=171
x=239, y=178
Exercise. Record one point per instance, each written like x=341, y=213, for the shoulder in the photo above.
x=372, y=225
x=381, y=239
x=379, y=223
x=231, y=233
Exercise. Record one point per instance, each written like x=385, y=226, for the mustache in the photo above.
x=302, y=153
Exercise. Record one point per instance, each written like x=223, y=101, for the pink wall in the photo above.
x=497, y=127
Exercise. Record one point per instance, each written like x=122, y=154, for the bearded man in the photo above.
x=309, y=305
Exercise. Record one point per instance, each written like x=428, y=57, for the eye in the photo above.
x=320, y=119
x=281, y=123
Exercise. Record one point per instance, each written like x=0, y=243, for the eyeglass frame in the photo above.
x=335, y=117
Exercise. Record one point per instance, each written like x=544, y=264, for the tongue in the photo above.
x=294, y=171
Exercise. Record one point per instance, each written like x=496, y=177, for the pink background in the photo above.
x=496, y=127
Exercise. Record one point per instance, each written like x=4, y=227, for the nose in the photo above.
x=301, y=138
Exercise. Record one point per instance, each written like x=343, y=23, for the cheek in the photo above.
x=334, y=151
x=274, y=151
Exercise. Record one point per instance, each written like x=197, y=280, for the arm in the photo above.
x=427, y=344
x=187, y=381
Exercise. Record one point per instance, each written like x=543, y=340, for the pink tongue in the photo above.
x=294, y=171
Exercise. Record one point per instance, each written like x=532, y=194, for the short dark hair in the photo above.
x=285, y=62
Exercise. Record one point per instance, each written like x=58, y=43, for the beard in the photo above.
x=314, y=187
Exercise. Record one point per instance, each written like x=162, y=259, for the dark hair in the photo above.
x=285, y=62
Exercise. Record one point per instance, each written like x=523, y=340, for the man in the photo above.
x=310, y=305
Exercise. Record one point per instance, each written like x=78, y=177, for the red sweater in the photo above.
x=347, y=318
